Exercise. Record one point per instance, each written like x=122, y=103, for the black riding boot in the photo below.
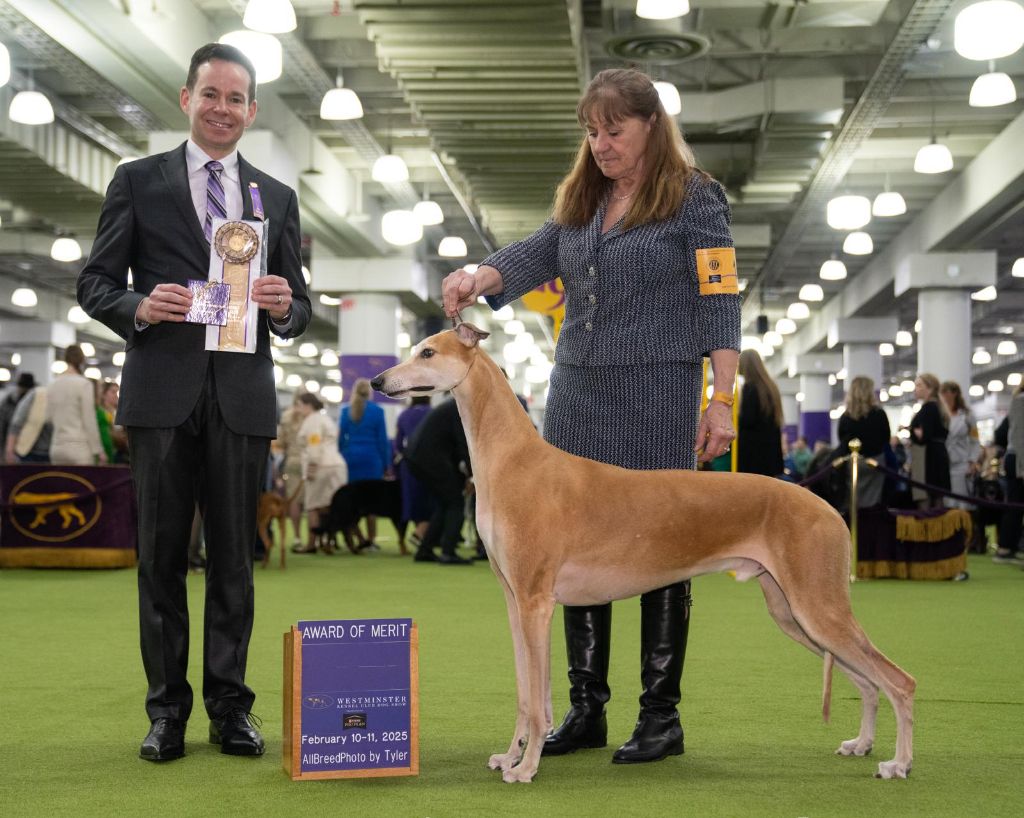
x=664, y=624
x=587, y=642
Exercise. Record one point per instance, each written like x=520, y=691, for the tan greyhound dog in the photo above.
x=624, y=532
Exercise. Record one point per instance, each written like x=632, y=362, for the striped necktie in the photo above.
x=216, y=203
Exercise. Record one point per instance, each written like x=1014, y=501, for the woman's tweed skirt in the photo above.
x=642, y=416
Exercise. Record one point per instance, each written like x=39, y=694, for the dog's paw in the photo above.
x=854, y=747
x=893, y=769
x=502, y=761
x=520, y=774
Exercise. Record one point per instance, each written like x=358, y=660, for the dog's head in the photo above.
x=436, y=364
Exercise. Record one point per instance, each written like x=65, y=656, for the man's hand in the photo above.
x=167, y=302
x=273, y=294
x=714, y=432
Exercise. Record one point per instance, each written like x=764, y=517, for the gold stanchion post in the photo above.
x=854, y=463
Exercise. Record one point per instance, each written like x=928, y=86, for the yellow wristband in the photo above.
x=723, y=397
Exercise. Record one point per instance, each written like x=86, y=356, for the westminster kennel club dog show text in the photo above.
x=357, y=696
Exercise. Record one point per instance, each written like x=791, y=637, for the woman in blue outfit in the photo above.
x=640, y=239
x=363, y=442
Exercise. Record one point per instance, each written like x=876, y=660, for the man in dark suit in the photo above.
x=199, y=423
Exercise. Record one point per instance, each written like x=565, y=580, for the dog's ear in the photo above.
x=469, y=335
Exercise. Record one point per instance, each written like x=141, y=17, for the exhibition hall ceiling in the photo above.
x=788, y=102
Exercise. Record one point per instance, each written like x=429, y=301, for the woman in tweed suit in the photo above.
x=640, y=239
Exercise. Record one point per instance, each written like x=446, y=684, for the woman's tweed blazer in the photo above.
x=632, y=297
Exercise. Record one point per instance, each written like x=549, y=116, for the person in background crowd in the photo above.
x=929, y=460
x=1010, y=524
x=416, y=502
x=71, y=408
x=962, y=443
x=323, y=468
x=112, y=437
x=291, y=467
x=363, y=442
x=200, y=422
x=759, y=440
x=26, y=382
x=29, y=434
x=800, y=456
x=866, y=421
x=438, y=455
x=640, y=239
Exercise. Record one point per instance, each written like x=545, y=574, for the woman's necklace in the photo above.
x=622, y=198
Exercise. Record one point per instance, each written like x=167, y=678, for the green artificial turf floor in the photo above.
x=72, y=688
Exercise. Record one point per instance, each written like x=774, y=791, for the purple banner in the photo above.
x=816, y=426
x=72, y=507
x=354, y=367
x=356, y=695
x=791, y=433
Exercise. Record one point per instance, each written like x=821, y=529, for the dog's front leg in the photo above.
x=508, y=759
x=535, y=618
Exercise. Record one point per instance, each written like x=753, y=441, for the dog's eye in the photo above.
x=427, y=353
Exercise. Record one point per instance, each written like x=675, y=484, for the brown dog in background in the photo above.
x=274, y=507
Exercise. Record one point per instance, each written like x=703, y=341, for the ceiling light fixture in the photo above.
x=848, y=212
x=995, y=386
x=1013, y=379
x=662, y=9
x=65, y=249
x=886, y=349
x=390, y=168
x=452, y=247
x=340, y=102
x=832, y=270
x=400, y=227
x=24, y=297
x=308, y=350
x=785, y=326
x=858, y=244
x=888, y=203
x=1006, y=348
x=669, y=95
x=976, y=391
x=985, y=294
x=269, y=16
x=981, y=357
x=263, y=50
x=904, y=339
x=76, y=315
x=811, y=292
x=992, y=89
x=1017, y=271
x=428, y=212
x=30, y=108
x=933, y=158
x=798, y=311
x=772, y=338
x=989, y=30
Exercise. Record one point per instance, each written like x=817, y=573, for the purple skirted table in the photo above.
x=67, y=517
x=904, y=544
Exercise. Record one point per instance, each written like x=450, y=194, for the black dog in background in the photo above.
x=354, y=501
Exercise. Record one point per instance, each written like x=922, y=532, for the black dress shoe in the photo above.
x=165, y=740
x=236, y=735
x=453, y=559
x=425, y=555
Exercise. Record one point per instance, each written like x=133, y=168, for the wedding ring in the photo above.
x=279, y=299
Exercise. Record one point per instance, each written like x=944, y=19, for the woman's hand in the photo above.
x=715, y=432
x=461, y=289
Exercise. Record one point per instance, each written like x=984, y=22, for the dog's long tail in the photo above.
x=826, y=693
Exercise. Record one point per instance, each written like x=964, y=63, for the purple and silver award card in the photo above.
x=209, y=302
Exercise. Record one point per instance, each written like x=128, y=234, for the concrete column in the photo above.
x=368, y=325
x=39, y=343
x=813, y=370
x=860, y=338
x=944, y=342
x=944, y=282
x=862, y=360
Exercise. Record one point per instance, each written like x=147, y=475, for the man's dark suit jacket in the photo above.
x=149, y=224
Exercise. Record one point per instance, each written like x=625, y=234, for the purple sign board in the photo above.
x=354, y=699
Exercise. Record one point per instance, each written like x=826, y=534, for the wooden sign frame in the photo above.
x=291, y=744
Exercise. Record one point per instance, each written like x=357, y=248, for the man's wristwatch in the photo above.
x=723, y=397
